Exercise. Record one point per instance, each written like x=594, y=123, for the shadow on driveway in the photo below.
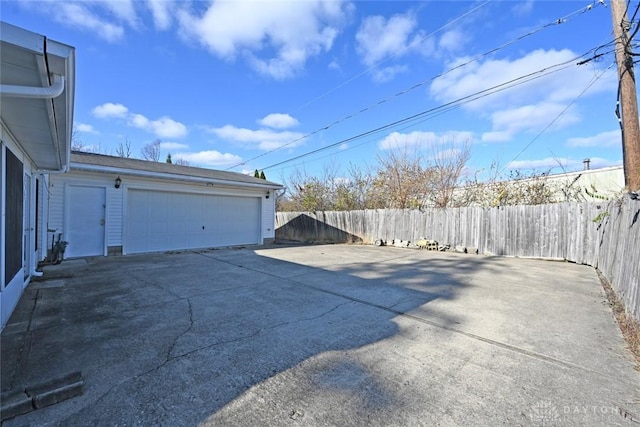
x=337, y=335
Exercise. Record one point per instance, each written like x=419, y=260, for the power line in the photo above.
x=432, y=112
x=591, y=83
x=562, y=20
x=373, y=67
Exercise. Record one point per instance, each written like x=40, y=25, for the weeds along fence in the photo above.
x=605, y=235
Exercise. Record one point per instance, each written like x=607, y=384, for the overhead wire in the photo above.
x=432, y=112
x=398, y=53
x=555, y=119
x=562, y=20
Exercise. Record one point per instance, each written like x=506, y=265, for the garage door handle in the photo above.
x=203, y=227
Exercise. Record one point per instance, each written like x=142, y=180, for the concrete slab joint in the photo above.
x=15, y=403
x=45, y=394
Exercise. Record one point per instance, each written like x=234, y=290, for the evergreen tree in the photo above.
x=256, y=174
x=262, y=175
x=169, y=158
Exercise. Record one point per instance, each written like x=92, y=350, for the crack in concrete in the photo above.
x=278, y=325
x=186, y=331
x=169, y=358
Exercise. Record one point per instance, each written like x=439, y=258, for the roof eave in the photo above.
x=173, y=176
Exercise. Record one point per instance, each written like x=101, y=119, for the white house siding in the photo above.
x=268, y=217
x=116, y=201
x=42, y=217
x=55, y=203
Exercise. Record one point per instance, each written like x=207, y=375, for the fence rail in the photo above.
x=604, y=236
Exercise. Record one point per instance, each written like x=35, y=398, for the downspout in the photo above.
x=53, y=91
x=32, y=92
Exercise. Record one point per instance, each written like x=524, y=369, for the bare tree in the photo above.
x=76, y=143
x=444, y=172
x=400, y=179
x=151, y=151
x=124, y=148
x=181, y=161
x=308, y=193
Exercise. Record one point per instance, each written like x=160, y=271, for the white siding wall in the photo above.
x=56, y=206
x=115, y=197
x=268, y=216
x=42, y=217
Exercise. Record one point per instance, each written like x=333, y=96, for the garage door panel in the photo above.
x=159, y=221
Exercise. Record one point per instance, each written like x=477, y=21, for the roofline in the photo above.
x=583, y=171
x=42, y=47
x=178, y=177
x=20, y=37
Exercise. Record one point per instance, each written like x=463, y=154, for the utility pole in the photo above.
x=628, y=96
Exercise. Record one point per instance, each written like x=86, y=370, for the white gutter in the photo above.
x=31, y=92
x=149, y=174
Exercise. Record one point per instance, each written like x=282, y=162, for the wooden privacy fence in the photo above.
x=604, y=235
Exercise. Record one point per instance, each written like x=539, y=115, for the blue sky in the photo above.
x=246, y=85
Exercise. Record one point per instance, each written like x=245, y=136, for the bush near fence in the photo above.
x=604, y=235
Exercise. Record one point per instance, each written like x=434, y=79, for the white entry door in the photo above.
x=85, y=227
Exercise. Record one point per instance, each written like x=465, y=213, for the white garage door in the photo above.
x=160, y=221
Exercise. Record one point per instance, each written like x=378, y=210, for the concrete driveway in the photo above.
x=322, y=335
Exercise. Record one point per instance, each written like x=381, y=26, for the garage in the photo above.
x=161, y=221
x=110, y=206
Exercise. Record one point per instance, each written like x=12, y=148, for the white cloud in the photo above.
x=85, y=128
x=527, y=107
x=123, y=10
x=598, y=162
x=605, y=139
x=86, y=16
x=386, y=74
x=110, y=110
x=161, y=13
x=173, y=146
x=548, y=163
x=378, y=38
x=561, y=86
x=264, y=139
x=278, y=121
x=209, y=158
x=293, y=31
x=424, y=139
x=529, y=118
x=523, y=8
x=452, y=40
x=335, y=65
x=164, y=127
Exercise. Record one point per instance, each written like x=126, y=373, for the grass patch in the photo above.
x=628, y=325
